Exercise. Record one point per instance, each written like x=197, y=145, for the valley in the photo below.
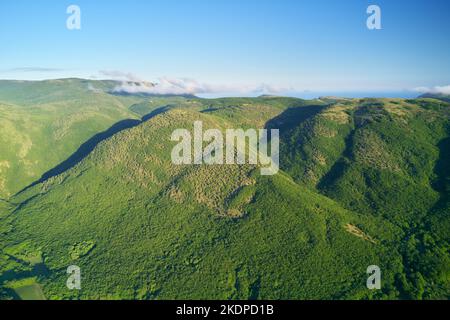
x=86, y=179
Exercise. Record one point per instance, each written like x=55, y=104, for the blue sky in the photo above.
x=230, y=45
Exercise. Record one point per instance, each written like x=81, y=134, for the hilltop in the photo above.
x=438, y=96
x=362, y=182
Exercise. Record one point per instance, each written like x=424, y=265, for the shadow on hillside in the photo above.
x=38, y=270
x=338, y=169
x=11, y=294
x=442, y=171
x=86, y=148
x=288, y=122
x=293, y=117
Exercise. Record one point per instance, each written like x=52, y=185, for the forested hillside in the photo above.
x=362, y=182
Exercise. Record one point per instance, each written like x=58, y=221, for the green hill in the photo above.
x=363, y=182
x=438, y=96
x=161, y=231
x=383, y=158
x=42, y=123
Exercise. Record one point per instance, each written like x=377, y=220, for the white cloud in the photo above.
x=434, y=90
x=131, y=83
x=119, y=75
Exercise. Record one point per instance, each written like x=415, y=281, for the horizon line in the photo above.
x=316, y=94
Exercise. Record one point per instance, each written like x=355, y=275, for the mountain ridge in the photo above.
x=362, y=182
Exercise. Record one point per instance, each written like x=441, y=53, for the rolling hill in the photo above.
x=437, y=96
x=42, y=123
x=362, y=182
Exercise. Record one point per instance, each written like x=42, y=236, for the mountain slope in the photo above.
x=43, y=122
x=387, y=158
x=142, y=228
x=161, y=231
x=438, y=96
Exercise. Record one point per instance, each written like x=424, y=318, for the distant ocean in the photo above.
x=391, y=94
x=314, y=95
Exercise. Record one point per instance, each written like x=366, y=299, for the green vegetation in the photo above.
x=26, y=289
x=363, y=182
x=387, y=159
x=43, y=123
x=438, y=96
x=81, y=249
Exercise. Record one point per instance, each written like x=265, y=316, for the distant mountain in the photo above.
x=363, y=182
x=443, y=97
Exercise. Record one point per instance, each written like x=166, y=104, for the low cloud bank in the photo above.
x=131, y=83
x=181, y=86
x=434, y=90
